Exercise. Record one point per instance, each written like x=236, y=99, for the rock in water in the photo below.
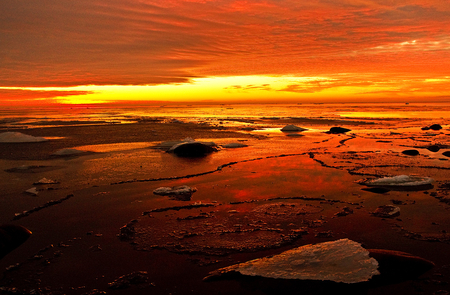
x=435, y=127
x=234, y=145
x=192, y=149
x=290, y=128
x=11, y=237
x=411, y=152
x=433, y=148
x=338, y=130
x=342, y=261
x=397, y=266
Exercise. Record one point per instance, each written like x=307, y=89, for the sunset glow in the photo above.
x=224, y=51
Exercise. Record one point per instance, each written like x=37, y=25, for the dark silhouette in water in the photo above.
x=11, y=237
x=338, y=130
x=192, y=149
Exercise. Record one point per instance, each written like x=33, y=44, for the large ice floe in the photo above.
x=341, y=261
x=400, y=181
x=17, y=137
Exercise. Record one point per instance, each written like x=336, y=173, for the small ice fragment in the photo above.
x=176, y=190
x=45, y=181
x=386, y=211
x=17, y=137
x=32, y=191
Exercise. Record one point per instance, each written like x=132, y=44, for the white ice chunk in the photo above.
x=17, y=137
x=342, y=261
x=292, y=128
x=32, y=191
x=400, y=180
x=176, y=190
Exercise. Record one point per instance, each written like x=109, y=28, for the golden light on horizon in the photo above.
x=250, y=89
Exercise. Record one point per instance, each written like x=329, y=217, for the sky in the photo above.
x=207, y=51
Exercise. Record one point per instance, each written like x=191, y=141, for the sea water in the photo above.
x=227, y=115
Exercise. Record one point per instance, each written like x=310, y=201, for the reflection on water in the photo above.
x=235, y=115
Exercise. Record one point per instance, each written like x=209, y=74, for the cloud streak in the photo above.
x=56, y=43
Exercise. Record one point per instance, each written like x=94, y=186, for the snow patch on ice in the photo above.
x=17, y=137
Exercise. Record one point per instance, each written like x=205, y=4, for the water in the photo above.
x=229, y=115
x=114, y=183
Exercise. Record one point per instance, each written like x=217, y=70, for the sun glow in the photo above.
x=245, y=89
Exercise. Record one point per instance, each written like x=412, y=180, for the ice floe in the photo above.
x=400, y=181
x=17, y=137
x=176, y=190
x=342, y=261
x=45, y=181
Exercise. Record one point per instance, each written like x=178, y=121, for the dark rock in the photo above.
x=398, y=266
x=192, y=149
x=432, y=127
x=338, y=130
x=410, y=152
x=433, y=148
x=11, y=237
x=447, y=153
x=435, y=127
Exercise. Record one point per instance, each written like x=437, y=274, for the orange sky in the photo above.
x=91, y=51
